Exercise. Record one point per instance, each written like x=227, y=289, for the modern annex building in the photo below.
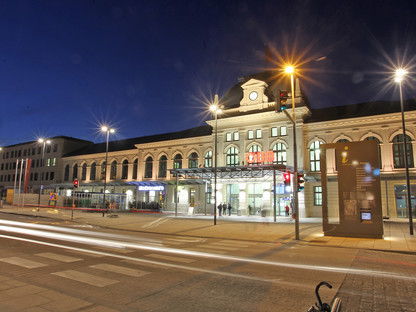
x=175, y=171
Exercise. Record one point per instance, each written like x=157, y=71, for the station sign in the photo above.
x=260, y=157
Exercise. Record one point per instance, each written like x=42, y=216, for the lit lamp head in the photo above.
x=106, y=129
x=399, y=75
x=289, y=70
x=44, y=141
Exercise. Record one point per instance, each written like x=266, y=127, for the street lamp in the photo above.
x=290, y=70
x=215, y=109
x=107, y=130
x=399, y=76
x=42, y=163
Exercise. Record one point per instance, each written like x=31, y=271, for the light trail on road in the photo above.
x=55, y=233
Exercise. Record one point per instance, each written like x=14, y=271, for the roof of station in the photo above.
x=358, y=110
x=128, y=144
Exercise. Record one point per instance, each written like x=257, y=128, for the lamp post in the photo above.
x=215, y=109
x=107, y=131
x=290, y=70
x=400, y=73
x=42, y=163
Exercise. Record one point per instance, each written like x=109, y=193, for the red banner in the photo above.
x=28, y=162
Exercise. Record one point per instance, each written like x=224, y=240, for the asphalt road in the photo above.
x=50, y=265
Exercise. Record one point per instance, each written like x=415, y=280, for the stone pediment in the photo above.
x=254, y=96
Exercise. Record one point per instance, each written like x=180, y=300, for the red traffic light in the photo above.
x=286, y=176
x=76, y=183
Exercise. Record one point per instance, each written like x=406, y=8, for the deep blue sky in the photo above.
x=145, y=66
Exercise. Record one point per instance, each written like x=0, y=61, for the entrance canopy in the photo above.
x=238, y=172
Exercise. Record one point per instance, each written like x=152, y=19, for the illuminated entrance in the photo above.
x=254, y=189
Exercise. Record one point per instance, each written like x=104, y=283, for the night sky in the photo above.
x=148, y=67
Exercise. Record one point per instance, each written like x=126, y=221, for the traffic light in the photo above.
x=301, y=182
x=282, y=100
x=76, y=183
x=286, y=179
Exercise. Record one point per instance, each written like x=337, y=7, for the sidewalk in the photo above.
x=248, y=228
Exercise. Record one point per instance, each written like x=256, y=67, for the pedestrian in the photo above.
x=229, y=209
x=219, y=209
x=224, y=209
x=287, y=210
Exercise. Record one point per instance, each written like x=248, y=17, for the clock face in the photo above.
x=253, y=95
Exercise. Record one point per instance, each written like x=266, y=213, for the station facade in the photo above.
x=175, y=171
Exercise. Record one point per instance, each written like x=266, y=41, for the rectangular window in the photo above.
x=36, y=176
x=48, y=163
x=54, y=161
x=33, y=151
x=317, y=195
x=283, y=130
x=55, y=148
x=274, y=132
x=208, y=195
x=258, y=134
x=52, y=175
x=47, y=176
x=228, y=137
x=236, y=136
x=250, y=134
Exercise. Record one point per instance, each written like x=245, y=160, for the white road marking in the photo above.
x=85, y=278
x=119, y=269
x=28, y=264
x=156, y=222
x=58, y=257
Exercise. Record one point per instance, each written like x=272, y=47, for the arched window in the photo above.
x=113, y=170
x=177, y=161
x=148, y=168
x=315, y=156
x=379, y=147
x=75, y=172
x=103, y=170
x=84, y=172
x=232, y=156
x=66, y=173
x=93, y=171
x=398, y=151
x=280, y=155
x=193, y=160
x=163, y=166
x=208, y=160
x=135, y=167
x=254, y=149
x=124, y=169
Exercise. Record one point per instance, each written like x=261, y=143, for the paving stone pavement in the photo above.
x=380, y=293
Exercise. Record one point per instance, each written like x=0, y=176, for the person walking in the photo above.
x=287, y=210
x=219, y=209
x=229, y=209
x=224, y=209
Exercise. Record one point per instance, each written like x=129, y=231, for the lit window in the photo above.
x=283, y=130
x=258, y=134
x=208, y=160
x=280, y=154
x=250, y=134
x=236, y=136
x=228, y=137
x=232, y=156
x=274, y=132
x=315, y=156
x=317, y=195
